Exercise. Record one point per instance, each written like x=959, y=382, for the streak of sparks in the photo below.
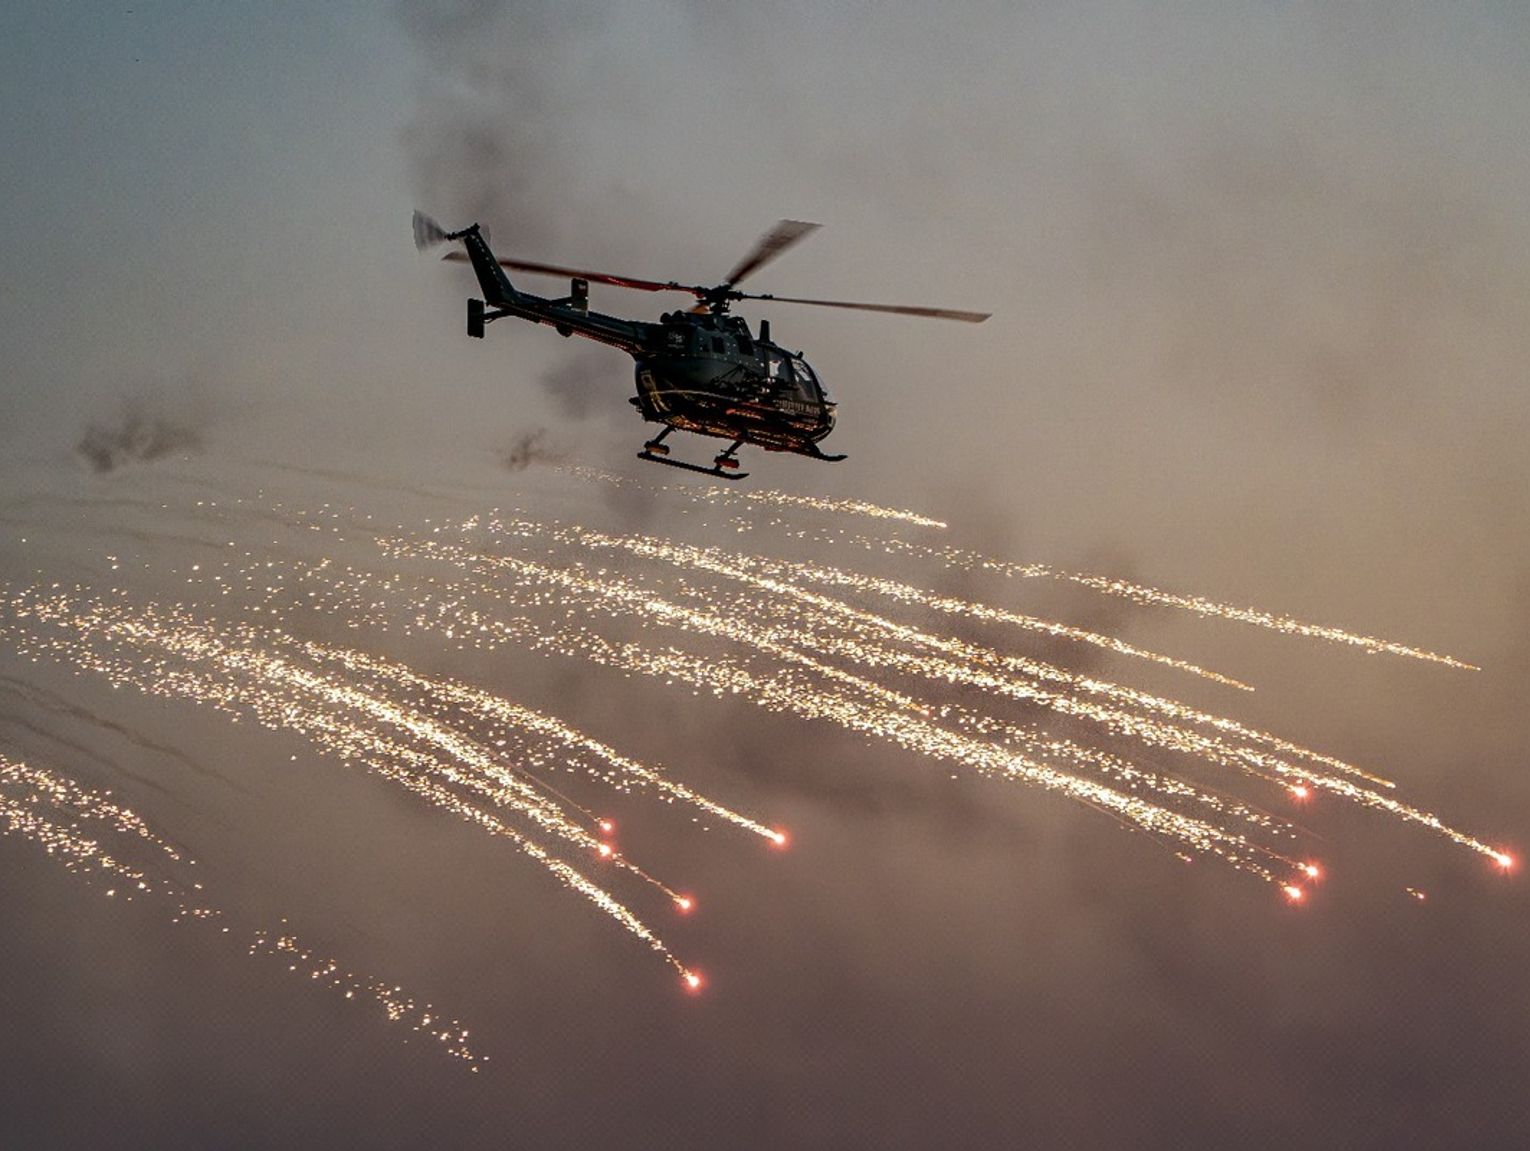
x=805, y=635
x=89, y=833
x=963, y=559
x=782, y=578
x=807, y=639
x=756, y=497
x=571, y=744
x=1281, y=623
x=283, y=683
x=862, y=635
x=1131, y=712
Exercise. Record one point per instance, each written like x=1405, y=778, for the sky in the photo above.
x=1258, y=277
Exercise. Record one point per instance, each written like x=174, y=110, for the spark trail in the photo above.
x=973, y=561
x=92, y=835
x=782, y=577
x=822, y=643
x=754, y=497
x=962, y=559
x=569, y=744
x=863, y=636
x=1132, y=712
x=283, y=682
x=790, y=648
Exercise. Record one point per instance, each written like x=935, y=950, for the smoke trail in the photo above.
x=527, y=449
x=58, y=705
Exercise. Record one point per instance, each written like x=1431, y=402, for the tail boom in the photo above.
x=568, y=316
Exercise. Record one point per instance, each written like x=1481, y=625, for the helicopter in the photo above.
x=699, y=370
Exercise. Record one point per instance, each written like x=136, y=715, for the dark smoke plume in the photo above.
x=137, y=434
x=529, y=448
x=589, y=381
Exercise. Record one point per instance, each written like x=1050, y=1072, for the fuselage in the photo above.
x=706, y=373
x=699, y=371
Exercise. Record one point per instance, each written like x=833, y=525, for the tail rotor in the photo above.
x=427, y=233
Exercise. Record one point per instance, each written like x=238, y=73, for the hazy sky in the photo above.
x=1259, y=281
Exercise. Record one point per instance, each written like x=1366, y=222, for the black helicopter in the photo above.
x=699, y=370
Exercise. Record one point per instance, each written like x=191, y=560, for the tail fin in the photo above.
x=497, y=289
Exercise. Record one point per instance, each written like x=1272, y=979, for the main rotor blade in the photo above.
x=895, y=309
x=770, y=245
x=460, y=256
x=778, y=240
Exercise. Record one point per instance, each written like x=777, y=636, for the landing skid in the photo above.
x=724, y=467
x=813, y=453
x=714, y=470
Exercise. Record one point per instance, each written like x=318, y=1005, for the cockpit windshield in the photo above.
x=793, y=377
x=808, y=383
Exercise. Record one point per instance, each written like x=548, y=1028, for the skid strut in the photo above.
x=724, y=467
x=729, y=458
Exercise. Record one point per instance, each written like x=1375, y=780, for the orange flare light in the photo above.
x=1293, y=893
x=778, y=837
x=1503, y=859
x=684, y=902
x=692, y=981
x=605, y=850
x=1300, y=791
x=1312, y=870
x=607, y=826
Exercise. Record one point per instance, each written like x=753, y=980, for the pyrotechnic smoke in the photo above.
x=529, y=448
x=589, y=382
x=140, y=432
